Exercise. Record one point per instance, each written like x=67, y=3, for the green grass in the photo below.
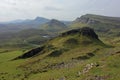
x=61, y=59
x=109, y=64
x=8, y=68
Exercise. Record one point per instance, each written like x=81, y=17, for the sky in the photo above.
x=57, y=9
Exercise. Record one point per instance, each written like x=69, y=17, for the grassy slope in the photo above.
x=109, y=65
x=71, y=72
x=46, y=67
x=8, y=68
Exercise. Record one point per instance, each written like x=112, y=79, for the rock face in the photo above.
x=82, y=19
x=31, y=53
x=85, y=31
x=86, y=19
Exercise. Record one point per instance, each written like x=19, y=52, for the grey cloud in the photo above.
x=60, y=9
x=50, y=8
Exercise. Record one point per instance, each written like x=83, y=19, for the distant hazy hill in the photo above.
x=54, y=25
x=17, y=25
x=22, y=24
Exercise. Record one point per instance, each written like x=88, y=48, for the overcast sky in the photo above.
x=58, y=9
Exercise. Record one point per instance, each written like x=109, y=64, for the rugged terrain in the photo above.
x=86, y=49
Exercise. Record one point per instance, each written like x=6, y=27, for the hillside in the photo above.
x=72, y=39
x=77, y=54
x=65, y=55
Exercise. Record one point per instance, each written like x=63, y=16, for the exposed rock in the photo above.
x=30, y=53
x=82, y=19
x=115, y=53
x=79, y=73
x=63, y=78
x=87, y=20
x=118, y=52
x=74, y=31
x=87, y=68
x=85, y=31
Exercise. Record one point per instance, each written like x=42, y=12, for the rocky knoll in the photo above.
x=30, y=53
x=85, y=31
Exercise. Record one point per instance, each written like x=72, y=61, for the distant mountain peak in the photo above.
x=40, y=18
x=55, y=22
x=54, y=25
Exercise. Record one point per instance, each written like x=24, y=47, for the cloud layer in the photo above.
x=59, y=9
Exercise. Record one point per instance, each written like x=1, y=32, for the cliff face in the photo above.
x=85, y=31
x=87, y=20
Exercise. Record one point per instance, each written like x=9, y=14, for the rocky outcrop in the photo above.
x=85, y=31
x=74, y=31
x=87, y=20
x=30, y=53
x=87, y=68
